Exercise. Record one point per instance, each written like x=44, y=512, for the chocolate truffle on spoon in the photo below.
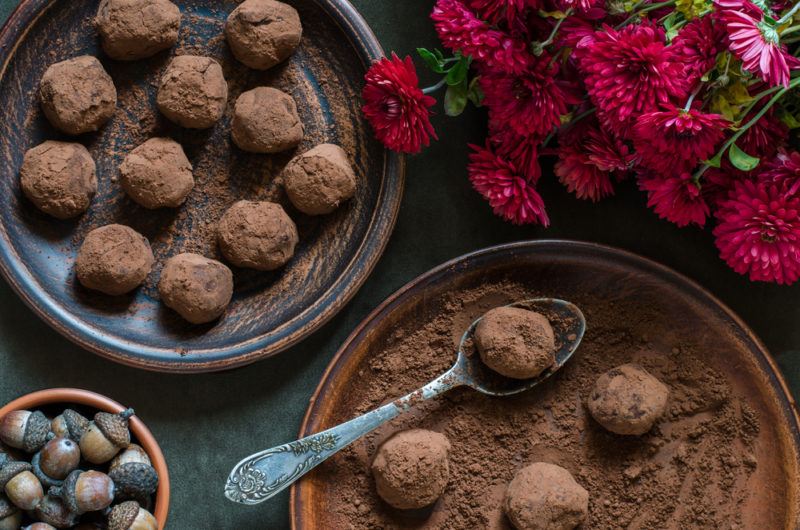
x=135, y=29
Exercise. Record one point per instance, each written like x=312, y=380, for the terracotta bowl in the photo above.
x=142, y=435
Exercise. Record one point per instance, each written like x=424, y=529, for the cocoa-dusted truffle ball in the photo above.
x=78, y=95
x=265, y=120
x=515, y=342
x=628, y=400
x=262, y=33
x=257, y=235
x=59, y=178
x=157, y=174
x=198, y=288
x=193, y=92
x=544, y=496
x=114, y=259
x=319, y=180
x=411, y=468
x=135, y=29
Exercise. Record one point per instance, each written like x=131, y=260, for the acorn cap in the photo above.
x=3, y=459
x=123, y=515
x=115, y=426
x=6, y=508
x=76, y=423
x=37, y=429
x=55, y=512
x=66, y=492
x=134, y=480
x=11, y=470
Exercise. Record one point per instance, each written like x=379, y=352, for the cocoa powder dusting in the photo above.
x=694, y=469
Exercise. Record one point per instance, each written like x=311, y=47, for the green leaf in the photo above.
x=790, y=120
x=455, y=99
x=431, y=61
x=458, y=73
x=716, y=161
x=474, y=92
x=742, y=160
x=439, y=54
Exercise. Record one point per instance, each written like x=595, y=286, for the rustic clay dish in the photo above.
x=569, y=270
x=270, y=311
x=53, y=400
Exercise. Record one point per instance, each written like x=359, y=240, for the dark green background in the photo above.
x=206, y=423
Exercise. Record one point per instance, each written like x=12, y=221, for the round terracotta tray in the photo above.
x=270, y=311
x=563, y=268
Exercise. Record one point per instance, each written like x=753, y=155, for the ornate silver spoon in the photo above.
x=263, y=475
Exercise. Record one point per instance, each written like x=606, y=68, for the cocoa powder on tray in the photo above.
x=692, y=470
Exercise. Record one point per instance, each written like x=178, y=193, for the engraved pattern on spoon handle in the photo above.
x=265, y=474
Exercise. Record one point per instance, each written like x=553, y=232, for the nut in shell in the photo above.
x=10, y=515
x=130, y=516
x=55, y=512
x=106, y=436
x=24, y=490
x=26, y=430
x=56, y=460
x=133, y=454
x=69, y=424
x=134, y=480
x=85, y=491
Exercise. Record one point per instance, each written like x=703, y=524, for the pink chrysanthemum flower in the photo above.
x=530, y=103
x=461, y=30
x=521, y=150
x=675, y=198
x=697, y=45
x=783, y=171
x=757, y=43
x=759, y=232
x=396, y=107
x=586, y=167
x=510, y=196
x=675, y=141
x=629, y=72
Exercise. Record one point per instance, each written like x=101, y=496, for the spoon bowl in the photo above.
x=568, y=324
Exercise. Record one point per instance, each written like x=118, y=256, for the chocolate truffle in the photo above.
x=515, y=342
x=114, y=259
x=319, y=180
x=265, y=120
x=544, y=496
x=628, y=400
x=59, y=178
x=257, y=235
x=135, y=29
x=198, y=288
x=193, y=92
x=411, y=468
x=157, y=174
x=262, y=33
x=77, y=95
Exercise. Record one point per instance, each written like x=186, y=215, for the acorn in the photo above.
x=57, y=459
x=134, y=453
x=10, y=515
x=130, y=516
x=69, y=424
x=85, y=491
x=55, y=512
x=39, y=526
x=21, y=486
x=134, y=480
x=26, y=430
x=105, y=436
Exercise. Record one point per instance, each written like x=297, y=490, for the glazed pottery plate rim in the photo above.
x=269, y=342
x=300, y=490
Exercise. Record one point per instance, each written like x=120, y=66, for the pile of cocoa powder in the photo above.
x=697, y=468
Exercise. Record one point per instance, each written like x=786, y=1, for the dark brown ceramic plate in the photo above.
x=270, y=312
x=582, y=273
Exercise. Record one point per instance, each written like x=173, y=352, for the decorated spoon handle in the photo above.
x=265, y=474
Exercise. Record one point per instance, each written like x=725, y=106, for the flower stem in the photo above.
x=571, y=122
x=434, y=88
x=788, y=16
x=538, y=47
x=789, y=30
x=691, y=98
x=649, y=7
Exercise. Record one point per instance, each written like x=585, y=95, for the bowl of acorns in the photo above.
x=71, y=458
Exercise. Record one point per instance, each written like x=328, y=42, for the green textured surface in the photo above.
x=206, y=423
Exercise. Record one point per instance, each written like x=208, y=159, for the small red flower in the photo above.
x=586, y=166
x=521, y=150
x=396, y=107
x=629, y=72
x=675, y=141
x=461, y=30
x=675, y=198
x=697, y=45
x=757, y=43
x=511, y=196
x=759, y=232
x=530, y=103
